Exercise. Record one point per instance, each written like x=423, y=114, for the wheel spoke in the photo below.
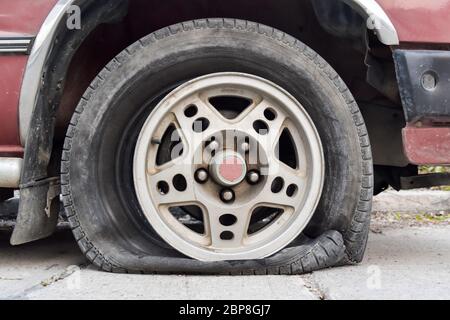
x=162, y=183
x=270, y=131
x=185, y=127
x=288, y=179
x=206, y=110
x=194, y=129
x=225, y=234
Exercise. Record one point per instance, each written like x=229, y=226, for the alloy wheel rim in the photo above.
x=230, y=189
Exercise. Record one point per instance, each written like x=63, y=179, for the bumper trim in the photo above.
x=424, y=83
x=16, y=45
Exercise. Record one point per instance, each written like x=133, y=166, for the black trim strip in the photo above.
x=16, y=45
x=423, y=77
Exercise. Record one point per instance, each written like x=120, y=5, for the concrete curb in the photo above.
x=412, y=201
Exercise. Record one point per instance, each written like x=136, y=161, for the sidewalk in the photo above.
x=407, y=258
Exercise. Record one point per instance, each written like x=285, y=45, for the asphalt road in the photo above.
x=408, y=257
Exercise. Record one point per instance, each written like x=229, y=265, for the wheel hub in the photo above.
x=228, y=168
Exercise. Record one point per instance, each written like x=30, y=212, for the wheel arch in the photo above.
x=53, y=29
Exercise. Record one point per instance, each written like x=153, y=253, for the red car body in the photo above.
x=418, y=21
x=418, y=24
x=14, y=20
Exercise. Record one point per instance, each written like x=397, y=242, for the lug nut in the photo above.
x=213, y=146
x=245, y=147
x=227, y=195
x=201, y=176
x=253, y=177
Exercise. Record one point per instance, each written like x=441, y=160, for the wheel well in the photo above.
x=333, y=29
x=336, y=31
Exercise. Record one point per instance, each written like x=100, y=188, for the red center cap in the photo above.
x=232, y=169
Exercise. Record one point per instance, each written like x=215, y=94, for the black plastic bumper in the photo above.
x=424, y=83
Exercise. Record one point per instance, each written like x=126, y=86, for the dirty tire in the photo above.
x=97, y=184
